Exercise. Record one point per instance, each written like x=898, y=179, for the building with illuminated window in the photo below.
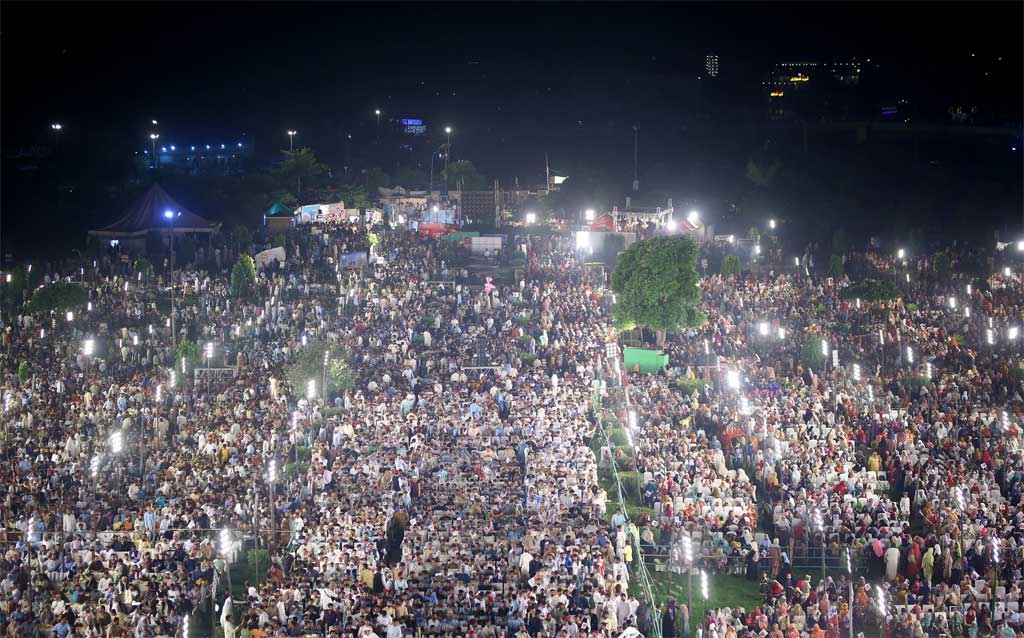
x=814, y=91
x=711, y=65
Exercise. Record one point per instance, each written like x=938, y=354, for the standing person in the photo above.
x=668, y=620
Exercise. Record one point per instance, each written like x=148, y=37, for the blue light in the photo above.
x=168, y=214
x=222, y=146
x=207, y=147
x=193, y=148
x=172, y=147
x=239, y=145
x=163, y=149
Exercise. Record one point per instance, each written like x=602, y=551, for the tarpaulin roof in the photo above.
x=147, y=213
x=279, y=210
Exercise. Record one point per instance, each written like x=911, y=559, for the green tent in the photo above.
x=279, y=210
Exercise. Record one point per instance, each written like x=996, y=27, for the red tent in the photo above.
x=604, y=222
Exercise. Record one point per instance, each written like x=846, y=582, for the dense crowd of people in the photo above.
x=450, y=489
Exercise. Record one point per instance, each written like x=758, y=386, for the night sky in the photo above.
x=518, y=82
x=501, y=73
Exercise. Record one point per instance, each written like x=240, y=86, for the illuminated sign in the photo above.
x=412, y=122
x=799, y=78
x=776, y=94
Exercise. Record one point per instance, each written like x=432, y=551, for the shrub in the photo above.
x=687, y=386
x=871, y=290
x=916, y=380
x=618, y=438
x=811, y=354
x=258, y=559
x=522, y=321
x=524, y=340
x=631, y=484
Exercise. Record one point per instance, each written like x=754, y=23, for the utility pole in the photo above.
x=547, y=175
x=636, y=156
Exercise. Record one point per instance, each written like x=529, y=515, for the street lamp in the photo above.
x=153, y=137
x=377, y=113
x=447, y=153
x=693, y=217
x=589, y=214
x=88, y=347
x=531, y=218
x=763, y=328
x=327, y=357
x=291, y=141
x=311, y=389
x=671, y=225
x=900, y=254
x=732, y=379
x=116, y=442
x=771, y=224
x=849, y=578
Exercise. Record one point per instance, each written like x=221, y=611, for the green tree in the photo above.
x=242, y=237
x=309, y=364
x=411, y=178
x=463, y=175
x=243, y=277
x=300, y=163
x=941, y=265
x=355, y=198
x=377, y=178
x=281, y=196
x=840, y=241
x=188, y=351
x=760, y=174
x=657, y=286
x=58, y=297
x=836, y=269
x=731, y=266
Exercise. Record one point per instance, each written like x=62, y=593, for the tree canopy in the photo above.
x=243, y=277
x=463, y=175
x=656, y=284
x=871, y=290
x=309, y=364
x=300, y=163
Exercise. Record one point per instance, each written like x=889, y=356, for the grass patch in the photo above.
x=723, y=591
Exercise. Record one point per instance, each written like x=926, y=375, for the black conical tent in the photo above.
x=150, y=213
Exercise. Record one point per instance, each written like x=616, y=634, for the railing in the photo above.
x=641, y=565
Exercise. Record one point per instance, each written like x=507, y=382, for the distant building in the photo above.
x=711, y=65
x=815, y=91
x=217, y=157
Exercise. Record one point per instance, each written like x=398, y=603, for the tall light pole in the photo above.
x=377, y=113
x=849, y=577
x=153, y=137
x=447, y=152
x=291, y=141
x=271, y=479
x=636, y=157
x=171, y=217
x=323, y=390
